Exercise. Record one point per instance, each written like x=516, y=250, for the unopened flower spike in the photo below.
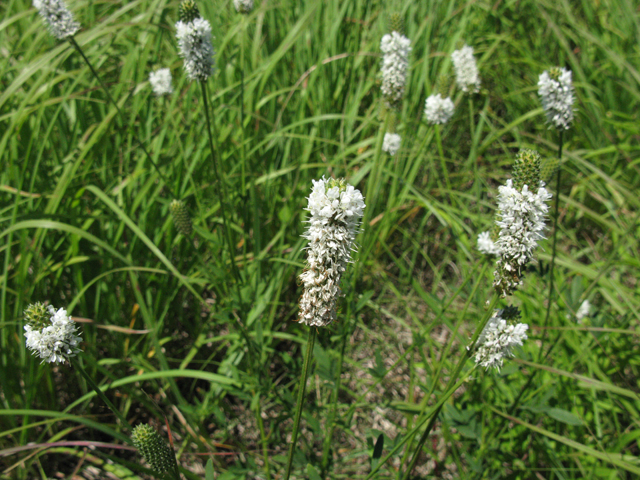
x=395, y=48
x=160, y=81
x=499, y=337
x=194, y=41
x=243, y=6
x=58, y=18
x=50, y=333
x=181, y=217
x=438, y=110
x=336, y=211
x=464, y=64
x=557, y=94
x=522, y=211
x=391, y=143
x=153, y=448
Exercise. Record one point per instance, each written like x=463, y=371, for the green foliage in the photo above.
x=170, y=331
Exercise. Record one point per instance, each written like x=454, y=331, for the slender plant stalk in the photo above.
x=467, y=353
x=443, y=162
x=78, y=365
x=265, y=444
x=242, y=149
x=301, y=389
x=75, y=45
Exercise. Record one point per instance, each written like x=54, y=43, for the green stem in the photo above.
x=243, y=166
x=301, y=389
x=443, y=162
x=467, y=353
x=265, y=444
x=78, y=365
x=73, y=42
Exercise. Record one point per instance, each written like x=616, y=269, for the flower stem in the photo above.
x=75, y=45
x=301, y=389
x=78, y=365
x=467, y=353
x=443, y=162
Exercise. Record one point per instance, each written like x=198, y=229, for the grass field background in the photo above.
x=85, y=225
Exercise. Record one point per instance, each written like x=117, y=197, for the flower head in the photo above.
x=194, y=41
x=160, y=81
x=556, y=92
x=153, y=448
x=58, y=18
x=336, y=210
x=181, y=217
x=583, y=311
x=464, y=63
x=51, y=333
x=522, y=221
x=395, y=63
x=243, y=6
x=497, y=339
x=438, y=110
x=486, y=245
x=391, y=143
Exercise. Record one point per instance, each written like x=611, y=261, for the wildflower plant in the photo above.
x=50, y=333
x=499, y=337
x=438, y=110
x=243, y=6
x=58, y=18
x=464, y=64
x=194, y=42
x=486, y=245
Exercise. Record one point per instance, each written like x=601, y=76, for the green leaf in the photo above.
x=563, y=416
x=208, y=470
x=312, y=473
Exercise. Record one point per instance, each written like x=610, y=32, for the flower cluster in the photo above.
x=51, y=333
x=464, y=64
x=194, y=41
x=486, y=245
x=160, y=81
x=336, y=210
x=395, y=62
x=583, y=311
x=522, y=216
x=58, y=18
x=497, y=339
x=556, y=92
x=243, y=6
x=153, y=448
x=391, y=143
x=438, y=110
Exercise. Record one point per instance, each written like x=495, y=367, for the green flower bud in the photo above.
x=37, y=316
x=526, y=170
x=153, y=448
x=548, y=168
x=188, y=11
x=181, y=218
x=396, y=23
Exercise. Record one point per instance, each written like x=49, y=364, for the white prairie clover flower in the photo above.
x=438, y=110
x=58, y=18
x=583, y=311
x=464, y=63
x=194, y=41
x=243, y=6
x=522, y=220
x=486, y=245
x=336, y=210
x=391, y=143
x=50, y=333
x=497, y=339
x=556, y=92
x=395, y=62
x=160, y=81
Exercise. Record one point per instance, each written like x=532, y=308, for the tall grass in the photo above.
x=85, y=225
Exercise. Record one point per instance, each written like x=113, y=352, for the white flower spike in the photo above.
x=497, y=340
x=336, y=211
x=464, y=64
x=194, y=41
x=58, y=18
x=395, y=63
x=391, y=143
x=243, y=6
x=160, y=81
x=438, y=110
x=51, y=333
x=486, y=245
x=556, y=92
